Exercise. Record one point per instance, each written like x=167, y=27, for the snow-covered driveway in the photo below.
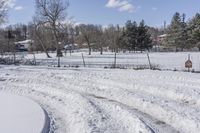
x=110, y=101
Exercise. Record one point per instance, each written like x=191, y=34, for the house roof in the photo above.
x=164, y=35
x=23, y=42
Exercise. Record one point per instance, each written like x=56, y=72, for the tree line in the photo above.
x=50, y=32
x=182, y=34
x=135, y=37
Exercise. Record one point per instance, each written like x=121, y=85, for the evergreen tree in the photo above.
x=195, y=27
x=178, y=34
x=143, y=38
x=184, y=39
x=128, y=39
x=135, y=37
x=174, y=29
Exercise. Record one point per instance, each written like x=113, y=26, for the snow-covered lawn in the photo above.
x=109, y=101
x=172, y=61
x=21, y=115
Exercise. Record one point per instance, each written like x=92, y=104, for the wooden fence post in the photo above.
x=115, y=60
x=149, y=61
x=58, y=61
x=14, y=59
x=83, y=60
x=34, y=59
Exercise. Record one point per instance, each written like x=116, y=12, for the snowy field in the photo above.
x=109, y=101
x=21, y=115
x=164, y=61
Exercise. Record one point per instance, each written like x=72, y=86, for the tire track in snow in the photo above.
x=153, y=124
x=56, y=97
x=63, y=83
x=176, y=118
x=173, y=113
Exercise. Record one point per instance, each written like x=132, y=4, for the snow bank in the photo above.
x=21, y=115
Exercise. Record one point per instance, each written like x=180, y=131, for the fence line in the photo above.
x=162, y=61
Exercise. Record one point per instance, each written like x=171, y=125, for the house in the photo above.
x=158, y=43
x=160, y=39
x=23, y=45
x=70, y=46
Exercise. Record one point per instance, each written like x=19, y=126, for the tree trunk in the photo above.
x=101, y=50
x=58, y=49
x=90, y=50
x=43, y=47
x=89, y=47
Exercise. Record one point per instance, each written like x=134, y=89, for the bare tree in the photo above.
x=3, y=11
x=52, y=12
x=41, y=36
x=68, y=34
x=100, y=38
x=113, y=34
x=3, y=41
x=87, y=33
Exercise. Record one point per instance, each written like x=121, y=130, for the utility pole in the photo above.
x=165, y=26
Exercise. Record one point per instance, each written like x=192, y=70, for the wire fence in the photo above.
x=161, y=61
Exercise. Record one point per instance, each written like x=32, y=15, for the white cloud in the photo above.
x=10, y=3
x=18, y=8
x=122, y=5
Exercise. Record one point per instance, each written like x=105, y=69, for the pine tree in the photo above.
x=178, y=34
x=195, y=27
x=174, y=29
x=144, y=41
x=135, y=37
x=128, y=39
x=184, y=42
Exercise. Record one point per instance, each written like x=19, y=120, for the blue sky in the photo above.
x=106, y=12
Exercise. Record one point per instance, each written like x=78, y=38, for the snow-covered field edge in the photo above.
x=92, y=100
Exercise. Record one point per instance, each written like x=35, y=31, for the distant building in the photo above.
x=160, y=39
x=158, y=43
x=23, y=45
x=71, y=46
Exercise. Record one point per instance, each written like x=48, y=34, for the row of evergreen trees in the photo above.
x=135, y=37
x=183, y=34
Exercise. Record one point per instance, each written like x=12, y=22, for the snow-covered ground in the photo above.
x=109, y=101
x=21, y=115
x=170, y=61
